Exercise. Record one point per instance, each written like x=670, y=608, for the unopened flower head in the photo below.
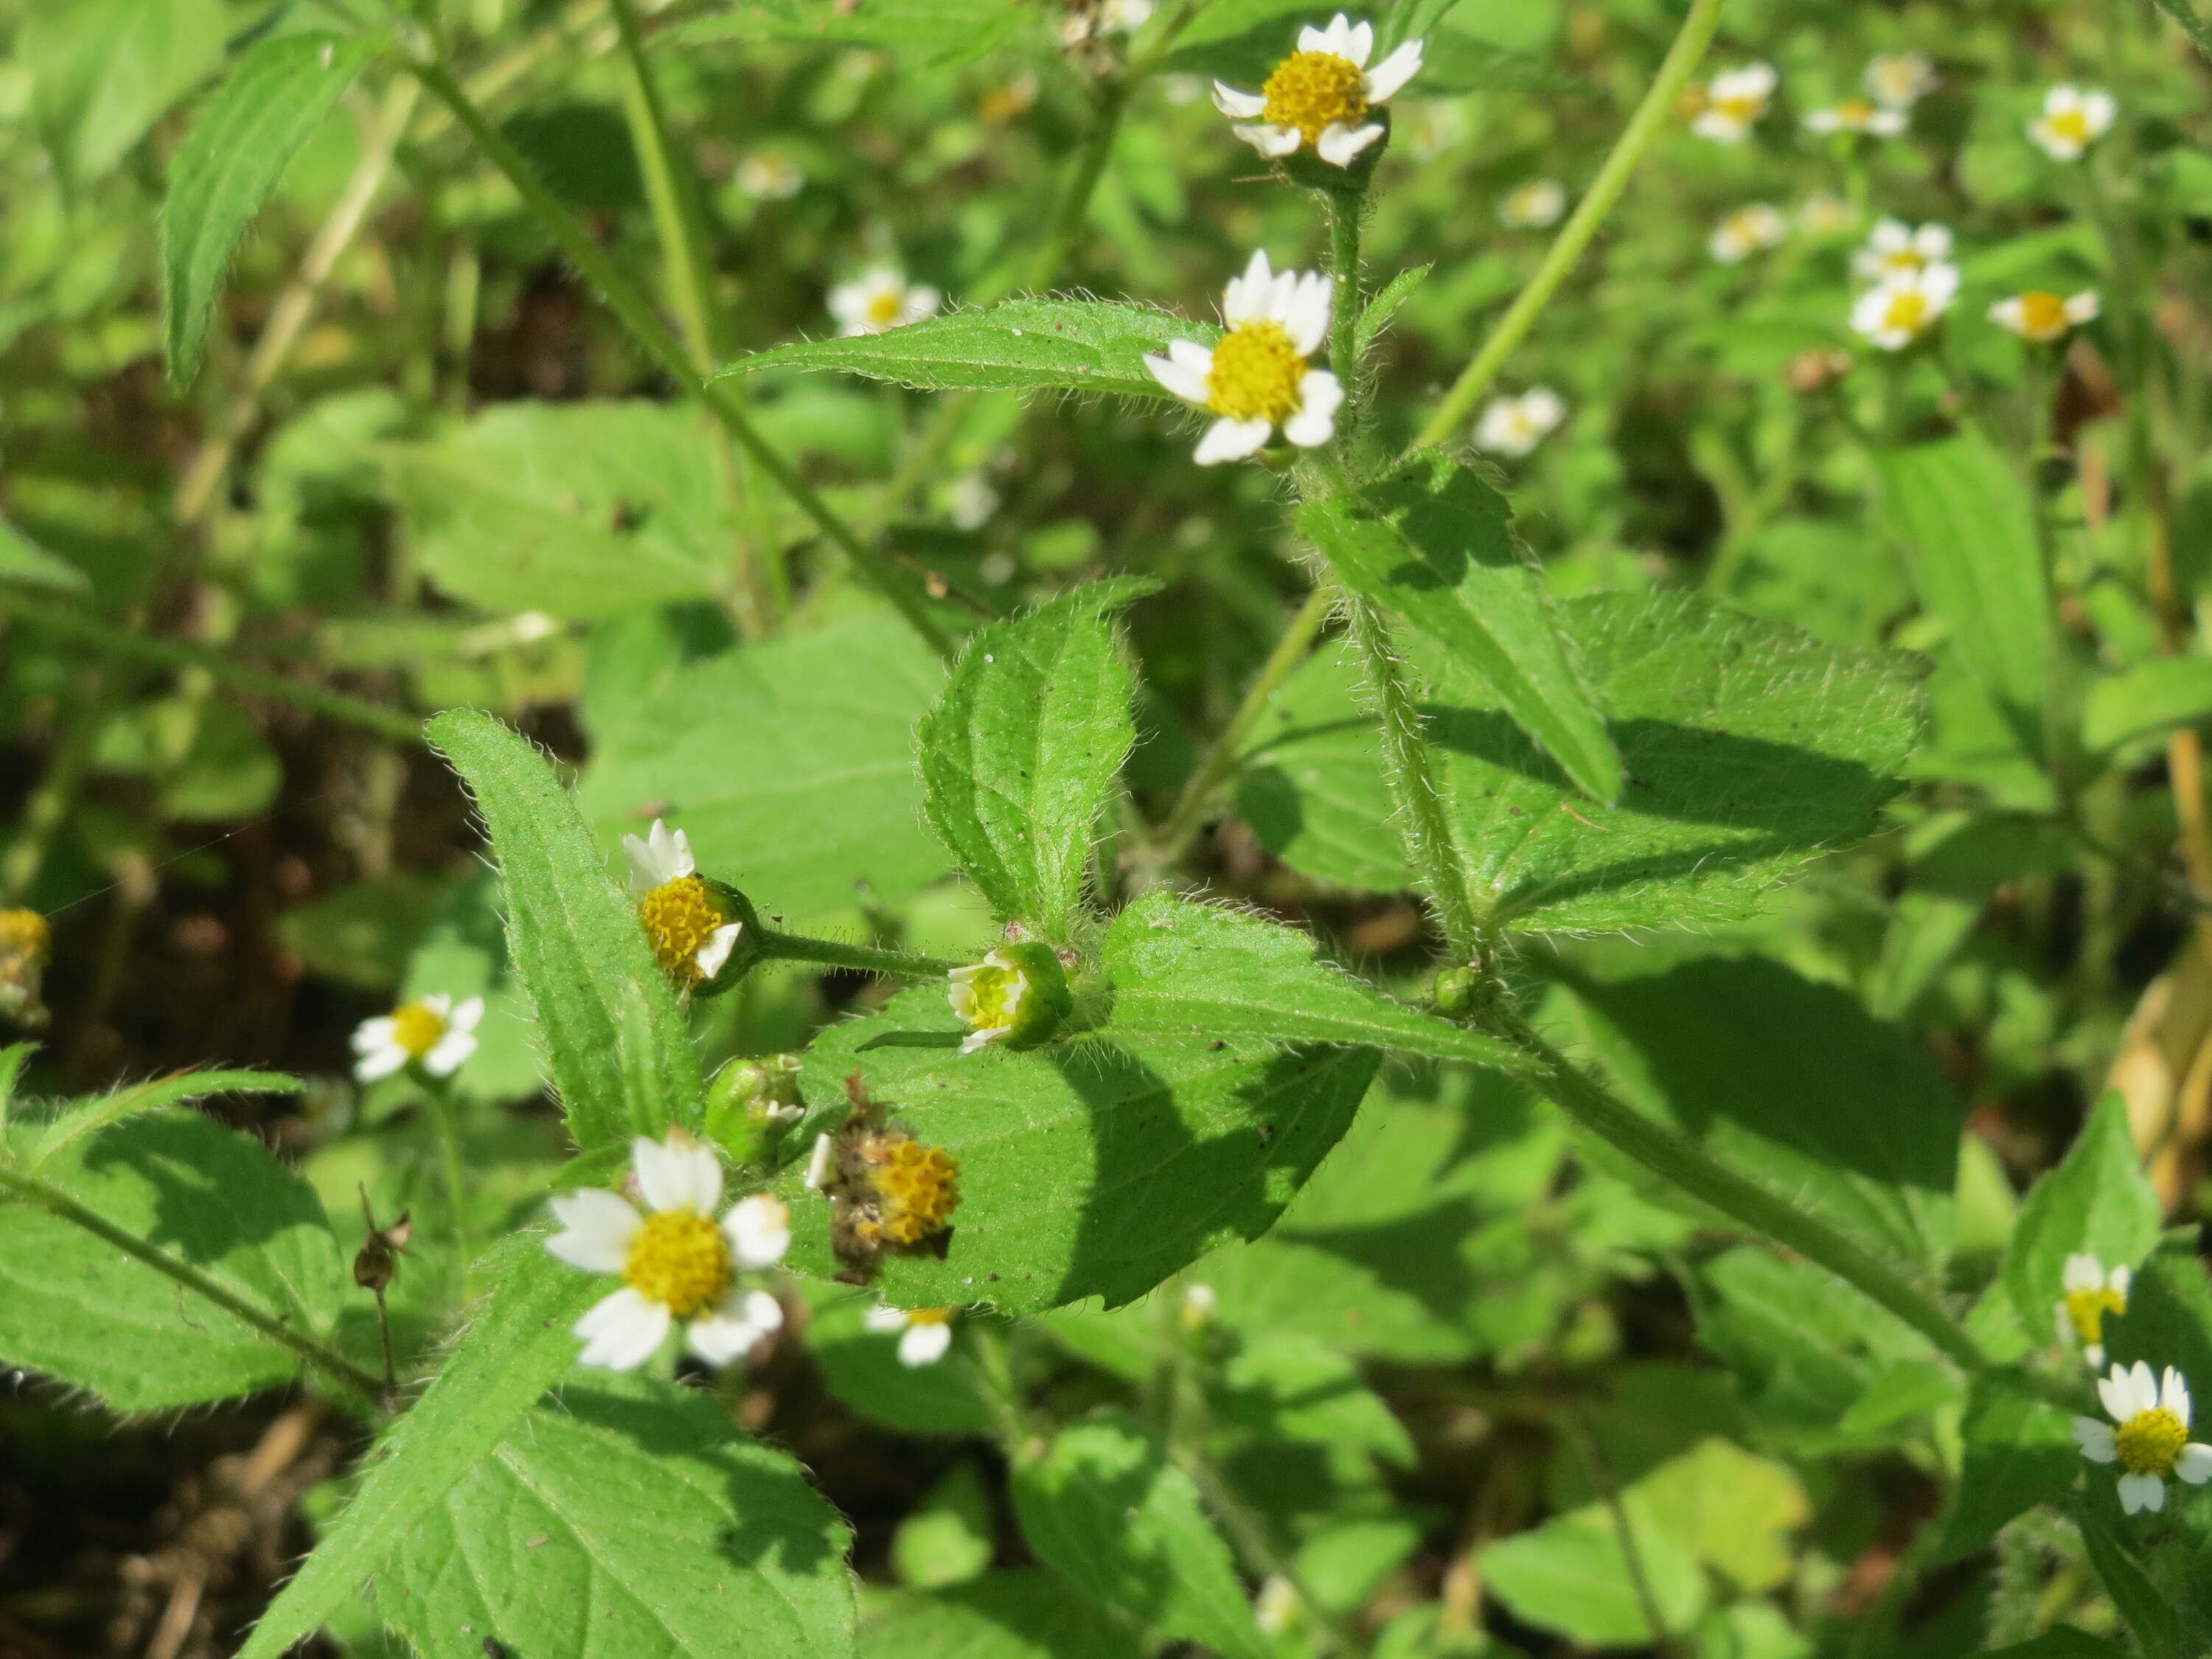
x=2044, y=317
x=1859, y=115
x=1319, y=98
x=1533, y=204
x=434, y=1033
x=2148, y=1436
x=1734, y=102
x=1899, y=80
x=1256, y=378
x=1825, y=214
x=1746, y=231
x=924, y=1334
x=25, y=946
x=1017, y=995
x=880, y=300
x=1903, y=308
x=1514, y=426
x=694, y=924
x=2091, y=1293
x=2072, y=120
x=770, y=176
x=1894, y=248
x=677, y=1262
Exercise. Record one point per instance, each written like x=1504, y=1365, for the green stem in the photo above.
x=1344, y=208
x=866, y=958
x=217, y=665
x=635, y=312
x=2194, y=27
x=1643, y=130
x=58, y=1203
x=1666, y=1154
x=440, y=1091
x=672, y=192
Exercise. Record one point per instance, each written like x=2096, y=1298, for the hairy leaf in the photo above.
x=1026, y=1613
x=88, y=1116
x=1569, y=1575
x=2097, y=1202
x=2020, y=1452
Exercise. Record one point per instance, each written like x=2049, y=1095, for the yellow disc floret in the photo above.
x=418, y=1028
x=2043, y=317
x=2068, y=125
x=24, y=934
x=917, y=1188
x=680, y=1259
x=2087, y=1309
x=1313, y=91
x=1855, y=112
x=929, y=1317
x=1908, y=312
x=680, y=918
x=2150, y=1441
x=1256, y=374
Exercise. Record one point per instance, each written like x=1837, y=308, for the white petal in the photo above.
x=1885, y=122
x=2083, y=307
x=2099, y=108
x=2173, y=1394
x=1358, y=42
x=2142, y=1491
x=2012, y=315
x=1181, y=377
x=1932, y=242
x=1719, y=126
x=450, y=1053
x=1940, y=284
x=1313, y=39
x=983, y=1036
x=759, y=1230
x=885, y=1322
x=2099, y=1441
x=738, y=1321
x=1320, y=395
x=2118, y=1390
x=380, y=1064
x=672, y=847
x=678, y=1173
x=1394, y=71
x=441, y=1004
x=597, y=1227
x=2195, y=1463
x=2143, y=1383
x=1823, y=120
x=2082, y=1273
x=821, y=1163
x=1271, y=141
x=1245, y=298
x=1224, y=440
x=2093, y=1355
x=1339, y=145
x=1889, y=236
x=468, y=1016
x=372, y=1036
x=623, y=1331
x=925, y=1344
x=1304, y=313
x=716, y=950
x=1239, y=106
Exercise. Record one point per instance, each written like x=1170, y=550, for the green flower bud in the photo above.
x=749, y=1099
x=1017, y=995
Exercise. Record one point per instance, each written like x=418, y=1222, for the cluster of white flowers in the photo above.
x=1913, y=281
x=1734, y=103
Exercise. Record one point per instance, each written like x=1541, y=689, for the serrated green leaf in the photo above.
x=2019, y=1452
x=1963, y=512
x=634, y=1510
x=789, y=764
x=1105, y=1507
x=1287, y=1385
x=1020, y=345
x=88, y=1116
x=2152, y=697
x=1384, y=306
x=75, y=1307
x=1569, y=1575
x=924, y=33
x=1024, y=1614
x=1020, y=755
x=603, y=1007
x=2097, y=1202
x=242, y=140
x=1094, y=1167
x=1434, y=543
x=1194, y=970
x=1749, y=748
x=518, y=1347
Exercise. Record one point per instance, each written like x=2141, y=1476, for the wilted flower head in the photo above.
x=1857, y=115
x=1746, y=231
x=2042, y=317
x=1734, y=102
x=433, y=1033
x=1256, y=379
x=880, y=300
x=1514, y=426
x=1899, y=80
x=2151, y=1441
x=2071, y=121
x=694, y=927
x=1533, y=204
x=1905, y=305
x=26, y=945
x=1894, y=248
x=2091, y=1293
x=1319, y=98
x=925, y=1334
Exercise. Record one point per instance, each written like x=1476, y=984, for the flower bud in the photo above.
x=1017, y=995
x=749, y=1099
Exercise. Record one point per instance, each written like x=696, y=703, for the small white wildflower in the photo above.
x=2091, y=1293
x=1899, y=80
x=770, y=176
x=1257, y=378
x=1514, y=426
x=923, y=1334
x=676, y=1262
x=1905, y=307
x=1320, y=96
x=434, y=1033
x=2071, y=121
x=971, y=502
x=1533, y=204
x=1748, y=230
x=1825, y=214
x=2152, y=1439
x=2042, y=317
x=1857, y=115
x=681, y=914
x=880, y=300
x=1734, y=102
x=1894, y=248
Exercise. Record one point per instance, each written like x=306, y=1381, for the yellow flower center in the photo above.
x=1740, y=109
x=680, y=1259
x=2087, y=1309
x=1256, y=374
x=2150, y=1441
x=1855, y=112
x=416, y=1028
x=884, y=309
x=930, y=1316
x=680, y=918
x=918, y=1189
x=991, y=998
x=2071, y=124
x=24, y=933
x=2043, y=317
x=1907, y=312
x=1312, y=91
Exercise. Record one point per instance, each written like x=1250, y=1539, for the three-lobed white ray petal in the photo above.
x=597, y=1228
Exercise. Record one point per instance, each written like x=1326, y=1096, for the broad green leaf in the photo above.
x=1024, y=1614
x=1094, y=1167
x=1730, y=1510
x=88, y=1116
x=2097, y=1202
x=950, y=1536
x=2151, y=698
x=634, y=1510
x=2019, y=1452
x=790, y=765
x=1569, y=1575
x=924, y=33
x=1196, y=970
x=1287, y=1385
x=1105, y=1507
x=13, y=1059
x=1848, y=1121
x=604, y=1009
x=2169, y=1316
x=1963, y=512
x=575, y=510
x=517, y=1348
x=242, y=140
x=77, y=1309
x=1019, y=345
x=2146, y=1611
x=103, y=71
x=1434, y=543
x=24, y=561
x=1020, y=755
x=1749, y=748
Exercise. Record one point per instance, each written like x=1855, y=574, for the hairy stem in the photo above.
x=1643, y=130
x=1344, y=208
x=866, y=958
x=446, y=1119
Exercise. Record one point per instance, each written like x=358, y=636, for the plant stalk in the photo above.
x=864, y=958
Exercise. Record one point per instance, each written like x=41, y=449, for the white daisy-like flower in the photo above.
x=1894, y=248
x=1320, y=97
x=675, y=1261
x=2091, y=1293
x=1748, y=230
x=880, y=300
x=1825, y=214
x=433, y=1033
x=1256, y=378
x=1514, y=426
x=1899, y=80
x=691, y=934
x=1734, y=102
x=2043, y=317
x=770, y=176
x=1533, y=204
x=2151, y=1441
x=923, y=1334
x=1903, y=307
x=2071, y=121
x=1857, y=115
